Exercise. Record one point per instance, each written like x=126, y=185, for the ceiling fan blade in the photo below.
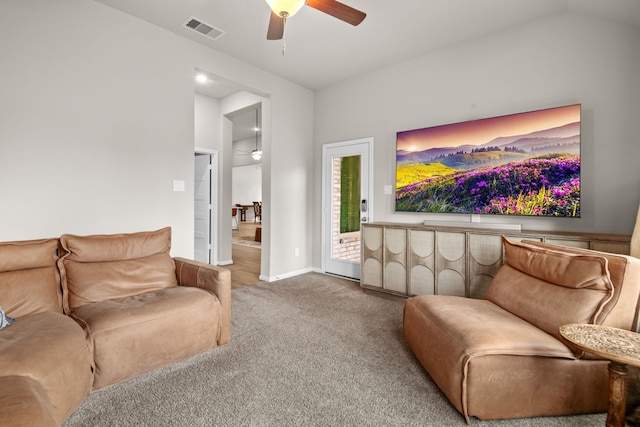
x=338, y=10
x=276, y=27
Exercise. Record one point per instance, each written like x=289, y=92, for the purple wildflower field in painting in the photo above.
x=538, y=186
x=534, y=173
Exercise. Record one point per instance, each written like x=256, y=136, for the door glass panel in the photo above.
x=345, y=209
x=350, y=194
x=345, y=205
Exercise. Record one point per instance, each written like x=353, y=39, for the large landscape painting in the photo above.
x=520, y=164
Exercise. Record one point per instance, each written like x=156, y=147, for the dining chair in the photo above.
x=234, y=219
x=257, y=210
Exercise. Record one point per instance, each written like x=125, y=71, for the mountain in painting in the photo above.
x=562, y=138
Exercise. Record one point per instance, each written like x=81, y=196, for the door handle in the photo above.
x=363, y=205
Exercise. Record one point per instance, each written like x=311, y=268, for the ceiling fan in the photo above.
x=284, y=9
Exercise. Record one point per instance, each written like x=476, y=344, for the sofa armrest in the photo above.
x=216, y=280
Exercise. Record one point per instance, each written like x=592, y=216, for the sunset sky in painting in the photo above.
x=481, y=131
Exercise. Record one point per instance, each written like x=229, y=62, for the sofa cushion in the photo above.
x=450, y=334
x=139, y=333
x=479, y=327
x=550, y=288
x=24, y=403
x=558, y=266
x=624, y=270
x=103, y=267
x=51, y=349
x=29, y=279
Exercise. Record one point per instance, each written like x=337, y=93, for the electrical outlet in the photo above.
x=296, y=252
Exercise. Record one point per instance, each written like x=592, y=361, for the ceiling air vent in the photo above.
x=203, y=28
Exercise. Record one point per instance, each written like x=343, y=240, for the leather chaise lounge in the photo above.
x=503, y=356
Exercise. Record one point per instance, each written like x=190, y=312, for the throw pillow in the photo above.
x=105, y=267
x=5, y=320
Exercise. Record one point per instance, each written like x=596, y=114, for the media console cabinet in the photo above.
x=416, y=259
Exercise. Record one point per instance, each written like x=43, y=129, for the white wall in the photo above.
x=247, y=186
x=207, y=122
x=555, y=61
x=97, y=120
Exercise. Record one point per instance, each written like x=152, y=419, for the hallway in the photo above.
x=245, y=269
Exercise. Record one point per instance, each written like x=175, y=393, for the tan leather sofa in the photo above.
x=92, y=311
x=502, y=356
x=46, y=368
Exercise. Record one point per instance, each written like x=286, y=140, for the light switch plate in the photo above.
x=388, y=189
x=178, y=185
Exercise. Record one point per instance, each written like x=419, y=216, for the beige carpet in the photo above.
x=311, y=350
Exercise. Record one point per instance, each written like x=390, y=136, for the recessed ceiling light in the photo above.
x=201, y=78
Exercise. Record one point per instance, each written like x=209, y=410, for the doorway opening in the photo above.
x=246, y=193
x=205, y=205
x=346, y=198
x=219, y=103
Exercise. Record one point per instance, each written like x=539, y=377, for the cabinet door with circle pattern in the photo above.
x=485, y=259
x=450, y=263
x=421, y=262
x=395, y=259
x=372, y=241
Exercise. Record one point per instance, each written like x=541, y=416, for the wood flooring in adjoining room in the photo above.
x=245, y=269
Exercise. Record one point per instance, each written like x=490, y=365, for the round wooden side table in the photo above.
x=621, y=348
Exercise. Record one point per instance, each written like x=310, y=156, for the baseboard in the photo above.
x=285, y=275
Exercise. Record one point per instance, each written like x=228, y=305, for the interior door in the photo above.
x=202, y=208
x=346, y=204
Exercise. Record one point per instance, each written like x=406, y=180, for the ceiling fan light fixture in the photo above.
x=285, y=8
x=256, y=154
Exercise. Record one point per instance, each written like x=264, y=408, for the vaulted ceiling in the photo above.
x=321, y=50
